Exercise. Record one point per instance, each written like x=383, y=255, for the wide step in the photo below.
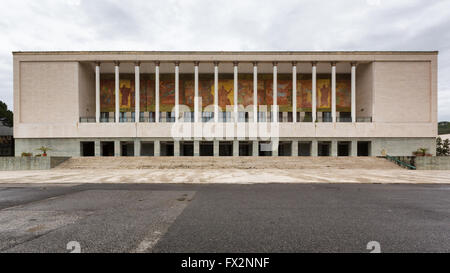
x=227, y=163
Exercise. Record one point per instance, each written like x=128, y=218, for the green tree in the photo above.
x=6, y=116
x=442, y=147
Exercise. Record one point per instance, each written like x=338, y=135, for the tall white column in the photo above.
x=353, y=92
x=255, y=91
x=137, y=147
x=294, y=151
x=333, y=91
x=196, y=148
x=294, y=91
x=117, y=87
x=137, y=85
x=97, y=92
x=275, y=94
x=177, y=91
x=235, y=91
x=235, y=147
x=196, y=110
x=216, y=91
x=313, y=93
x=156, y=92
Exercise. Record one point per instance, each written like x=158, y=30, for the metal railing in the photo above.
x=344, y=119
x=87, y=119
x=146, y=119
x=126, y=119
x=364, y=119
x=207, y=116
x=225, y=117
x=324, y=119
x=222, y=118
x=112, y=119
x=166, y=119
x=304, y=119
x=400, y=163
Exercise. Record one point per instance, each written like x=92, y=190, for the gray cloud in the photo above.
x=226, y=25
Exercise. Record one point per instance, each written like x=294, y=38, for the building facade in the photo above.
x=225, y=103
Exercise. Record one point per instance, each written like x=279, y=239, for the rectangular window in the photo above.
x=326, y=117
x=122, y=117
x=243, y=116
x=207, y=116
x=170, y=117
x=188, y=117
x=104, y=117
x=345, y=117
x=262, y=117
x=225, y=117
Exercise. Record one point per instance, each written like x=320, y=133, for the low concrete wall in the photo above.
x=432, y=162
x=30, y=163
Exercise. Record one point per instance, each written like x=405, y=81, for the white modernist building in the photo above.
x=225, y=103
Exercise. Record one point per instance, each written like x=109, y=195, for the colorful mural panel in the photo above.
x=284, y=95
x=206, y=92
x=166, y=93
x=323, y=95
x=245, y=91
x=126, y=95
x=268, y=85
x=261, y=94
x=187, y=93
x=107, y=96
x=304, y=95
x=147, y=94
x=226, y=95
x=343, y=93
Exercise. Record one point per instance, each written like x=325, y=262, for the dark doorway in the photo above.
x=107, y=148
x=304, y=148
x=206, y=148
x=363, y=148
x=245, y=148
x=323, y=148
x=186, y=148
x=87, y=148
x=166, y=148
x=343, y=148
x=147, y=149
x=265, y=148
x=225, y=148
x=127, y=148
x=284, y=148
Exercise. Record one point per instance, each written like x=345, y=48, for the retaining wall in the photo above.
x=30, y=163
x=432, y=162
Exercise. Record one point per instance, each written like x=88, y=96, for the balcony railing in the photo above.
x=87, y=119
x=147, y=119
x=106, y=120
x=364, y=119
x=305, y=119
x=126, y=119
x=344, y=119
x=324, y=119
x=223, y=117
x=166, y=119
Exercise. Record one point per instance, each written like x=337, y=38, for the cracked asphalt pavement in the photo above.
x=224, y=217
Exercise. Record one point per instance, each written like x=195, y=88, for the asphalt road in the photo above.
x=225, y=218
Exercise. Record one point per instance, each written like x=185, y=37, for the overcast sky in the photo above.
x=226, y=25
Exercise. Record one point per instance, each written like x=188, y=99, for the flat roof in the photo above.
x=227, y=52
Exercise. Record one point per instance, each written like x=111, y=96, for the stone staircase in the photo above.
x=227, y=163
